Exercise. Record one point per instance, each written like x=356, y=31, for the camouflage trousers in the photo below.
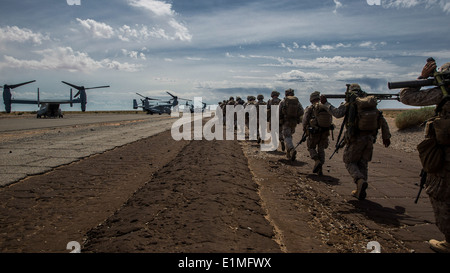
x=287, y=130
x=357, y=155
x=438, y=190
x=317, y=143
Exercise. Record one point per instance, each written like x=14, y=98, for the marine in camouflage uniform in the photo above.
x=288, y=125
x=437, y=184
x=239, y=101
x=274, y=100
x=359, y=145
x=318, y=138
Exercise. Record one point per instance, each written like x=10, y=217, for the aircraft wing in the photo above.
x=60, y=101
x=24, y=101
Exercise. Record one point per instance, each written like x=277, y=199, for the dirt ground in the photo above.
x=158, y=195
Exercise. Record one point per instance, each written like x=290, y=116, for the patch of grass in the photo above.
x=413, y=118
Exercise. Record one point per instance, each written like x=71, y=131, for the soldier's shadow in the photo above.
x=324, y=178
x=379, y=213
x=295, y=163
x=276, y=152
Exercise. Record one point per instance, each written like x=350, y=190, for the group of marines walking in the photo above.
x=363, y=121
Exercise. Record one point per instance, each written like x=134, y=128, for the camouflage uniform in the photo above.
x=318, y=138
x=239, y=101
x=288, y=125
x=359, y=147
x=437, y=184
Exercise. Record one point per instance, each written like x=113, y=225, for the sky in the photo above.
x=215, y=49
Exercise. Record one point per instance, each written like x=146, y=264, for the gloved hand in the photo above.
x=428, y=69
x=386, y=142
x=323, y=99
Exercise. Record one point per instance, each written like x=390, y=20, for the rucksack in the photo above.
x=437, y=138
x=367, y=113
x=322, y=117
x=291, y=107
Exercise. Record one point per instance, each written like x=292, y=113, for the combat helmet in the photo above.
x=354, y=87
x=289, y=92
x=274, y=93
x=314, y=96
x=260, y=97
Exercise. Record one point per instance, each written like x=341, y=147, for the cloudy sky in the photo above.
x=215, y=49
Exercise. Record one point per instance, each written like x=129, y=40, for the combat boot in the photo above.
x=293, y=154
x=317, y=166
x=440, y=246
x=360, y=192
x=290, y=154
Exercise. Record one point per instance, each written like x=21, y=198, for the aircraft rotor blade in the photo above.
x=73, y=85
x=170, y=94
x=105, y=86
x=19, y=84
x=146, y=97
x=77, y=94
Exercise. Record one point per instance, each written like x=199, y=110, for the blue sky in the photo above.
x=215, y=49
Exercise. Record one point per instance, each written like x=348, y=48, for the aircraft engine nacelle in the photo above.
x=83, y=99
x=7, y=99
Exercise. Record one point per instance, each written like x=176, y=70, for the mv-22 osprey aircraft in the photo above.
x=48, y=108
x=165, y=108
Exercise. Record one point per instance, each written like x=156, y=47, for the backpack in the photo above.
x=275, y=101
x=291, y=107
x=322, y=117
x=367, y=113
x=437, y=133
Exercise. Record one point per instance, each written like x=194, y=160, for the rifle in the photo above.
x=304, y=136
x=340, y=143
x=423, y=179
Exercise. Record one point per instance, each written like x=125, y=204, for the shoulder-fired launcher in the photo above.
x=440, y=79
x=377, y=96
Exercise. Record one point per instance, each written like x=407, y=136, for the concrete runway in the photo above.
x=28, y=122
x=31, y=146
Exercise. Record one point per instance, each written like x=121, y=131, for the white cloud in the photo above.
x=65, y=58
x=21, y=35
x=372, y=45
x=134, y=54
x=401, y=3
x=96, y=29
x=313, y=46
x=138, y=33
x=164, y=12
x=338, y=5
x=442, y=4
x=181, y=31
x=159, y=8
x=299, y=76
